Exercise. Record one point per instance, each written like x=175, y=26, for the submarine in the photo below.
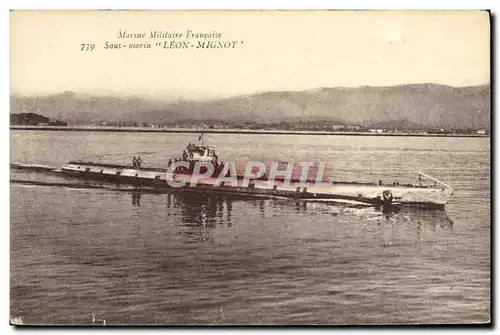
x=178, y=176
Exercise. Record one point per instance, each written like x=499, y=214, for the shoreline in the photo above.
x=230, y=131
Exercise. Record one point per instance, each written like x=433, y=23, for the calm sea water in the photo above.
x=139, y=258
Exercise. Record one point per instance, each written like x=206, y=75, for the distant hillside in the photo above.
x=32, y=119
x=414, y=106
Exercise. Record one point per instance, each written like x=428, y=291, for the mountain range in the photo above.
x=412, y=105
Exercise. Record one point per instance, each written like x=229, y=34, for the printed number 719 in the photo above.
x=87, y=47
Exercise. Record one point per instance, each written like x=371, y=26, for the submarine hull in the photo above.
x=348, y=193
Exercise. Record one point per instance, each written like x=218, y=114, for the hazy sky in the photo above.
x=280, y=51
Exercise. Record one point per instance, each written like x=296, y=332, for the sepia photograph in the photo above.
x=272, y=167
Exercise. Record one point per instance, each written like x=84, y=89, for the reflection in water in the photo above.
x=201, y=209
x=136, y=199
x=422, y=225
x=436, y=217
x=209, y=210
x=229, y=210
x=197, y=209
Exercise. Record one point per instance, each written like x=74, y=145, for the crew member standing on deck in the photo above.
x=134, y=162
x=139, y=162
